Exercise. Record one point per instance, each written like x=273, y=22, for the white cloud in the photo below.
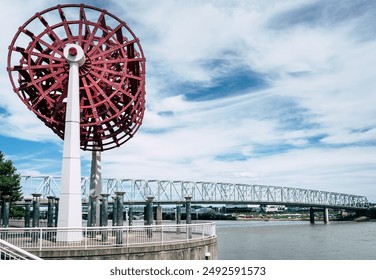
x=314, y=126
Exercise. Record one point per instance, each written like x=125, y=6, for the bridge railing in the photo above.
x=94, y=237
x=136, y=190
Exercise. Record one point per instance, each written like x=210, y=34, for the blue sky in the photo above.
x=260, y=92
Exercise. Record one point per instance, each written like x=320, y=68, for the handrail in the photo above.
x=46, y=238
x=11, y=252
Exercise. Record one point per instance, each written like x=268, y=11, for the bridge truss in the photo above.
x=170, y=192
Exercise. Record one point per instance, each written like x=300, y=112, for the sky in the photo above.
x=258, y=92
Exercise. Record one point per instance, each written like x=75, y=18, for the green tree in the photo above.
x=10, y=183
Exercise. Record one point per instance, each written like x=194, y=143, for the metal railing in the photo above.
x=89, y=237
x=10, y=252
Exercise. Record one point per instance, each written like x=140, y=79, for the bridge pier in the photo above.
x=311, y=215
x=326, y=215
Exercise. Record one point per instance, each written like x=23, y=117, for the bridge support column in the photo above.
x=311, y=215
x=27, y=212
x=326, y=215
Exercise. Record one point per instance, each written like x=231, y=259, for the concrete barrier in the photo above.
x=191, y=250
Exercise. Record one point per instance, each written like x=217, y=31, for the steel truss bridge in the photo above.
x=171, y=192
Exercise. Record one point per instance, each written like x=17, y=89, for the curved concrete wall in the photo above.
x=193, y=250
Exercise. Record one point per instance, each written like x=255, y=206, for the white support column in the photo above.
x=70, y=208
x=96, y=179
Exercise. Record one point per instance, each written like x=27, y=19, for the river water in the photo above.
x=296, y=240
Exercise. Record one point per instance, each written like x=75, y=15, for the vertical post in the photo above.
x=27, y=212
x=114, y=211
x=96, y=178
x=130, y=215
x=88, y=218
x=6, y=211
x=119, y=218
x=178, y=214
x=50, y=211
x=100, y=212
x=188, y=219
x=104, y=216
x=178, y=218
x=120, y=208
x=326, y=215
x=70, y=211
x=159, y=215
x=1, y=207
x=149, y=210
x=93, y=212
x=188, y=209
x=149, y=215
x=311, y=215
x=36, y=205
x=56, y=210
x=104, y=212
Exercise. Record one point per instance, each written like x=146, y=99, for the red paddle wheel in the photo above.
x=112, y=80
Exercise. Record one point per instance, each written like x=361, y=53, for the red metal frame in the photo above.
x=112, y=80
